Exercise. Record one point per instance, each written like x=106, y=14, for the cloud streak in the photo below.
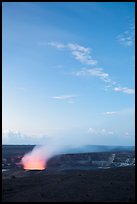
x=97, y=72
x=124, y=90
x=110, y=112
x=102, y=131
x=57, y=45
x=80, y=53
x=16, y=137
x=63, y=97
x=83, y=55
x=127, y=38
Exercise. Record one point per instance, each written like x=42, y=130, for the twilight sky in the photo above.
x=68, y=72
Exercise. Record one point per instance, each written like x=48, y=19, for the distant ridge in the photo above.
x=6, y=149
x=99, y=148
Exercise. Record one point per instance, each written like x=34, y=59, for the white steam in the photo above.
x=38, y=157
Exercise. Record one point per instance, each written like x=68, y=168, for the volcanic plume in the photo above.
x=37, y=158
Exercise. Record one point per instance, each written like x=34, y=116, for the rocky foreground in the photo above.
x=113, y=184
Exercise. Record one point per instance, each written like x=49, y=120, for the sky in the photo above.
x=68, y=72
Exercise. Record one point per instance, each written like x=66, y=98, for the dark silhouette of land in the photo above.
x=83, y=177
x=72, y=186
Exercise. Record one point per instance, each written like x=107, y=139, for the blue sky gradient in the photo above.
x=68, y=71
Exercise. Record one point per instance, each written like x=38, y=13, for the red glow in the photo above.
x=33, y=164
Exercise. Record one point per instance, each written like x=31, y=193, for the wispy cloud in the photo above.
x=82, y=54
x=63, y=97
x=110, y=112
x=67, y=98
x=57, y=45
x=127, y=38
x=101, y=74
x=124, y=90
x=104, y=76
x=97, y=72
x=16, y=137
x=102, y=131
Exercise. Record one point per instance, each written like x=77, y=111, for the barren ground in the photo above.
x=102, y=185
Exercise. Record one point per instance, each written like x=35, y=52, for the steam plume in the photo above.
x=38, y=157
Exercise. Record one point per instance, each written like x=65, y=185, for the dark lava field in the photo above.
x=83, y=177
